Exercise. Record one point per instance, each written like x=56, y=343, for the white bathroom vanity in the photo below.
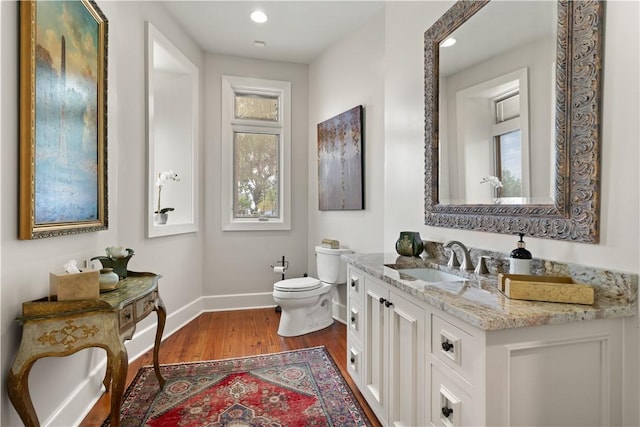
x=457, y=353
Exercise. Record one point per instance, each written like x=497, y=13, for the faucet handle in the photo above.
x=481, y=268
x=453, y=260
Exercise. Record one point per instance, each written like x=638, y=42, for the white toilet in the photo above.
x=306, y=301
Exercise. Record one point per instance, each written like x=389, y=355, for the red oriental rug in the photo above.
x=293, y=388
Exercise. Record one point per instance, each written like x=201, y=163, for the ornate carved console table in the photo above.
x=61, y=328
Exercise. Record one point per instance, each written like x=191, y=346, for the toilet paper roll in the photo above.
x=279, y=269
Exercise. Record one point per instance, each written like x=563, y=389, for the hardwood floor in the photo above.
x=225, y=334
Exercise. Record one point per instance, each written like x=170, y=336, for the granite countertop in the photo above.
x=478, y=301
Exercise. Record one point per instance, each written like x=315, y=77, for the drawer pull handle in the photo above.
x=353, y=359
x=127, y=316
x=382, y=300
x=353, y=318
x=447, y=411
x=354, y=282
x=388, y=303
x=447, y=346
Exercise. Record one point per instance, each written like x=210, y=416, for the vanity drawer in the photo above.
x=145, y=305
x=127, y=319
x=453, y=346
x=354, y=361
x=355, y=283
x=450, y=405
x=355, y=320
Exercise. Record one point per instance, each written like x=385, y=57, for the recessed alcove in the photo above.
x=172, y=133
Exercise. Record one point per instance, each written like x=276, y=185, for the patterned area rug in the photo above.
x=293, y=388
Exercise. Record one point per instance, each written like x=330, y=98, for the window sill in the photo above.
x=256, y=225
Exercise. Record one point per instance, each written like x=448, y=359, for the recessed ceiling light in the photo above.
x=258, y=16
x=259, y=43
x=448, y=42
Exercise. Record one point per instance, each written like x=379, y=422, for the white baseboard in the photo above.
x=339, y=312
x=80, y=401
x=237, y=301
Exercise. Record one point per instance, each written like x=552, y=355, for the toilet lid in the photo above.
x=298, y=284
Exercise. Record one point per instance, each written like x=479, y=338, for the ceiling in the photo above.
x=297, y=31
x=513, y=24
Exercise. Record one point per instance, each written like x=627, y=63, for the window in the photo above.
x=255, y=175
x=256, y=154
x=507, y=144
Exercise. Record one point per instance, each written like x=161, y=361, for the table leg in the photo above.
x=18, y=388
x=118, y=360
x=107, y=378
x=162, y=317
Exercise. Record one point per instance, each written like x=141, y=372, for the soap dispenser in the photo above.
x=520, y=261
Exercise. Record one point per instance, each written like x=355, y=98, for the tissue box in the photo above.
x=74, y=286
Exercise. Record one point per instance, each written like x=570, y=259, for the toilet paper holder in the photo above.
x=280, y=266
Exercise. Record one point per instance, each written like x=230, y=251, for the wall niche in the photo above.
x=172, y=135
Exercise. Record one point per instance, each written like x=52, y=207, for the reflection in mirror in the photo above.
x=172, y=129
x=496, y=97
x=512, y=118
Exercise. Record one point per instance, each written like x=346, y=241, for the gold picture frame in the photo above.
x=63, y=119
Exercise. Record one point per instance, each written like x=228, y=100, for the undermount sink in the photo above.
x=431, y=275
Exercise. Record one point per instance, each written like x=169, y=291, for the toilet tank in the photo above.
x=331, y=269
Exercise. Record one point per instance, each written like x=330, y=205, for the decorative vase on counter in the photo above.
x=409, y=243
x=117, y=259
x=108, y=279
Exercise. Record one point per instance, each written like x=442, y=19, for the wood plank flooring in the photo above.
x=226, y=334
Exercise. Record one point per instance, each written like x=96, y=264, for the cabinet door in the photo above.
x=354, y=320
x=451, y=406
x=355, y=283
x=354, y=360
x=355, y=325
x=407, y=362
x=375, y=346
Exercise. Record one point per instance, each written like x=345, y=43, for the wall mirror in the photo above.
x=172, y=135
x=512, y=118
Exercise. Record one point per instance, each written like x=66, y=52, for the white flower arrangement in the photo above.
x=163, y=178
x=493, y=180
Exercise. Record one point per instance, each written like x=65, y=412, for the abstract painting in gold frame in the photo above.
x=63, y=118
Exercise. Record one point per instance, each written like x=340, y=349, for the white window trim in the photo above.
x=231, y=85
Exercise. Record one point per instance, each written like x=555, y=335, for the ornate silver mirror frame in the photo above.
x=575, y=213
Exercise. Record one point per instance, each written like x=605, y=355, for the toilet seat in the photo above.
x=299, y=284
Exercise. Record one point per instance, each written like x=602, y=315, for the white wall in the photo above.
x=25, y=265
x=350, y=73
x=238, y=262
x=177, y=258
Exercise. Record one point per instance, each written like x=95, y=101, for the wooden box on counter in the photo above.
x=545, y=288
x=74, y=286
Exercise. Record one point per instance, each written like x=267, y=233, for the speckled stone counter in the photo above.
x=478, y=301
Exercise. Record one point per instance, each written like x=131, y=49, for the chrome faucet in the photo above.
x=467, y=264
